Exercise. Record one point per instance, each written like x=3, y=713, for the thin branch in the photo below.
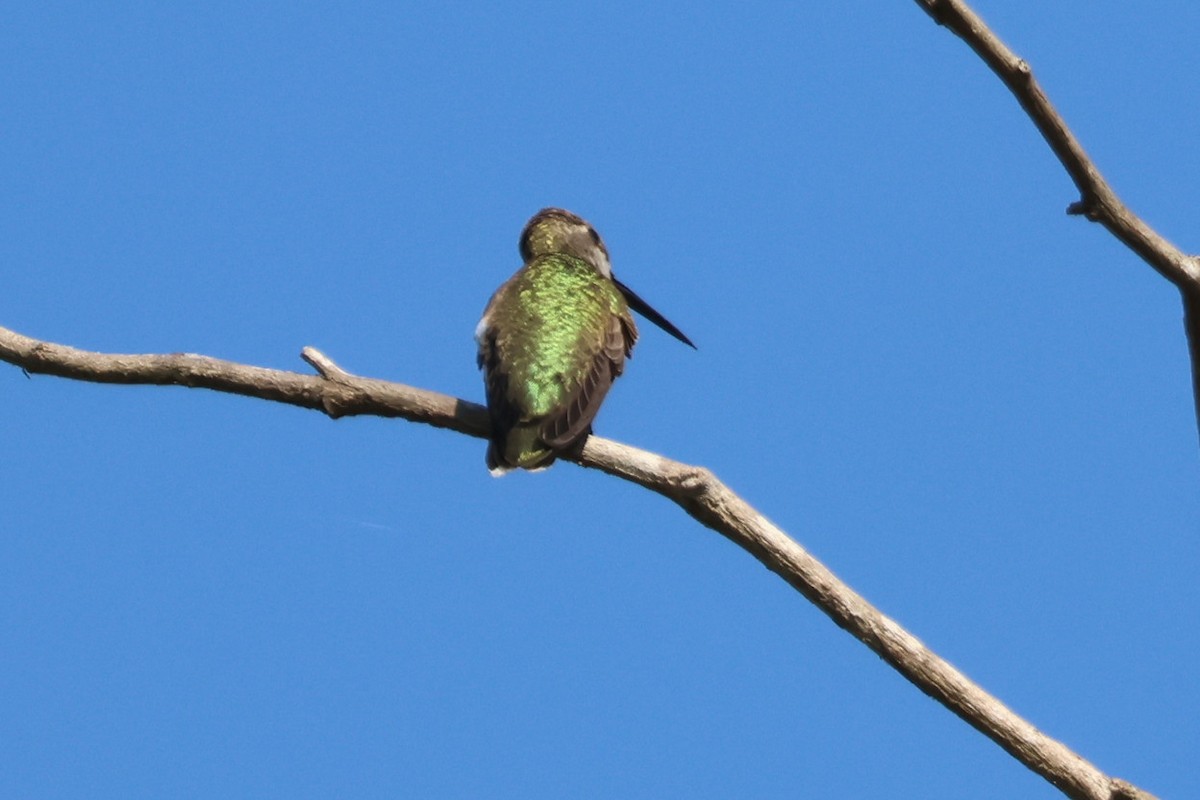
x=695, y=489
x=1191, y=324
x=335, y=392
x=1097, y=200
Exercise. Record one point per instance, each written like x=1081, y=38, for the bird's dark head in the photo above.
x=555, y=230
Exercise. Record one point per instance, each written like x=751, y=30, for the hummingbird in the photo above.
x=552, y=340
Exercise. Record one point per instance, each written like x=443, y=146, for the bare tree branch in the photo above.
x=695, y=489
x=335, y=392
x=1098, y=202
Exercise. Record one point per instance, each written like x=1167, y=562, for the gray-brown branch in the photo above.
x=337, y=393
x=1097, y=200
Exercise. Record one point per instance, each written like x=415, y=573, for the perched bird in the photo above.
x=552, y=340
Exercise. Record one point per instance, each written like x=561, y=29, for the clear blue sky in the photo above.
x=971, y=406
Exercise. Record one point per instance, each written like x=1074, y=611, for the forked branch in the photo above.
x=338, y=393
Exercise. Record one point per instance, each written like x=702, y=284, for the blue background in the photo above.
x=972, y=407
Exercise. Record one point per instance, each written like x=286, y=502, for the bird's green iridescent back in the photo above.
x=556, y=312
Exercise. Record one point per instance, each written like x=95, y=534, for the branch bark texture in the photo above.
x=697, y=490
x=1097, y=200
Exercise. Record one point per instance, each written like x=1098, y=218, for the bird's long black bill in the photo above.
x=642, y=307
